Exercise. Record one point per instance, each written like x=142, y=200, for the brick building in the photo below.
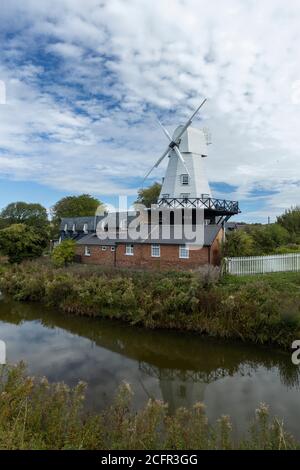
x=149, y=253
x=185, y=193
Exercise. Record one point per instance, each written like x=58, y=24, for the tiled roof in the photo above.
x=210, y=233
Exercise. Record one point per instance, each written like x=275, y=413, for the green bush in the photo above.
x=19, y=242
x=64, y=253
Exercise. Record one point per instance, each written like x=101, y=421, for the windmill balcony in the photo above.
x=209, y=204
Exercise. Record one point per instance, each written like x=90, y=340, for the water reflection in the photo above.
x=231, y=378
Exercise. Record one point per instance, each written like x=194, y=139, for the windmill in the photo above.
x=185, y=176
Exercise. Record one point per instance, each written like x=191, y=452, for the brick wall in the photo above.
x=169, y=256
x=98, y=256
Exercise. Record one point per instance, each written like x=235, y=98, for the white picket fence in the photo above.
x=263, y=264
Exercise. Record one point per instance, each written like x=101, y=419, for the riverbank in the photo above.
x=36, y=414
x=260, y=309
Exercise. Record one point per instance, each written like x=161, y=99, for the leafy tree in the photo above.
x=149, y=195
x=238, y=243
x=31, y=214
x=20, y=242
x=290, y=220
x=269, y=237
x=73, y=206
x=64, y=252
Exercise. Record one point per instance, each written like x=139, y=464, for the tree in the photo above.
x=74, y=206
x=20, y=242
x=290, y=220
x=31, y=214
x=269, y=237
x=238, y=243
x=149, y=195
x=64, y=252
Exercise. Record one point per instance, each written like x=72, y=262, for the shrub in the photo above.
x=19, y=242
x=64, y=253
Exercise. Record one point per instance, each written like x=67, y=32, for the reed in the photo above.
x=36, y=414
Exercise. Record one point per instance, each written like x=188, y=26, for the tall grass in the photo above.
x=35, y=414
x=261, y=310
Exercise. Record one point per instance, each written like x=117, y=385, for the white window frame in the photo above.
x=74, y=228
x=184, y=179
x=85, y=228
x=66, y=228
x=184, y=252
x=155, y=250
x=103, y=248
x=87, y=251
x=129, y=249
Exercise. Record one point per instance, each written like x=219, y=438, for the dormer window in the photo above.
x=184, y=179
x=85, y=228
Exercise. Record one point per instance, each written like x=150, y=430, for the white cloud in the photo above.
x=145, y=58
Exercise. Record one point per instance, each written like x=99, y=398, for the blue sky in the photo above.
x=85, y=80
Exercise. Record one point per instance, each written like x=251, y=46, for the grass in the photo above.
x=280, y=281
x=35, y=414
x=261, y=309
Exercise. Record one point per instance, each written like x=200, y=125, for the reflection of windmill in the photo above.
x=184, y=374
x=186, y=387
x=182, y=387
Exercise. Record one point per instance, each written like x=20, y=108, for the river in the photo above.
x=229, y=377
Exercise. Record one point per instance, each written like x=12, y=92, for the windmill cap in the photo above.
x=192, y=141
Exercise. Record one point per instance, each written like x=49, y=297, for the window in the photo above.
x=165, y=196
x=184, y=179
x=66, y=228
x=185, y=195
x=129, y=250
x=155, y=251
x=103, y=248
x=74, y=228
x=87, y=251
x=113, y=248
x=184, y=252
x=85, y=228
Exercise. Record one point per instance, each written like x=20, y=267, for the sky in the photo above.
x=83, y=81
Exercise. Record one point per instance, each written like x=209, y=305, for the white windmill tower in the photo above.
x=185, y=176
